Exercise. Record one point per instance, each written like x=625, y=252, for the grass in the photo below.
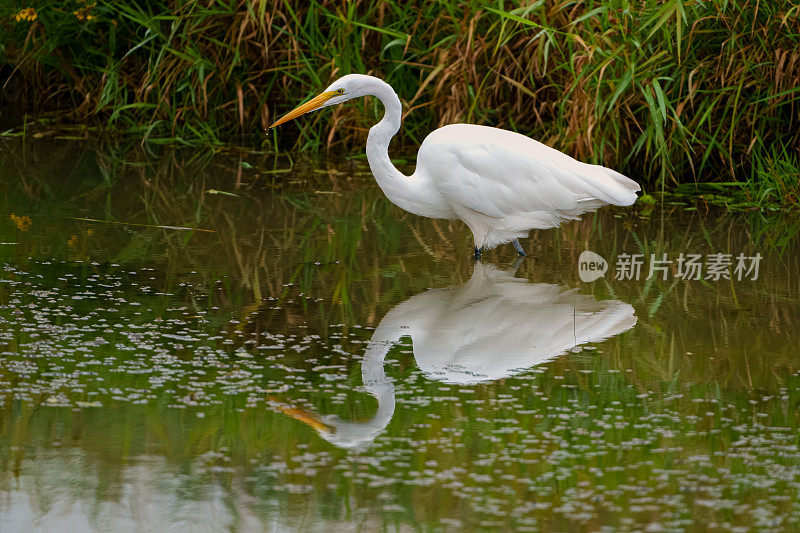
x=669, y=92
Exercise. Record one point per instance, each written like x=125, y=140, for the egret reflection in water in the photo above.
x=491, y=327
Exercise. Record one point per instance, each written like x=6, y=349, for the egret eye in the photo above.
x=340, y=91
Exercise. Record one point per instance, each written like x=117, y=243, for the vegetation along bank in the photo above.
x=669, y=92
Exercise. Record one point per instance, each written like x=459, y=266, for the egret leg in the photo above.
x=478, y=252
x=518, y=248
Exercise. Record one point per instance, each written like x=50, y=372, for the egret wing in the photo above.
x=501, y=173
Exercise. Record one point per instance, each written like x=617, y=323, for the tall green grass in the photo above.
x=669, y=91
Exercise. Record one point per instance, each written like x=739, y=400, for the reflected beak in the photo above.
x=304, y=416
x=308, y=418
x=311, y=105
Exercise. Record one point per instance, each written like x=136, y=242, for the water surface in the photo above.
x=310, y=357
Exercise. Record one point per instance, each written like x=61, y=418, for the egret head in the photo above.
x=340, y=91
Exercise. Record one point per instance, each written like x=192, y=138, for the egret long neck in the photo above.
x=411, y=193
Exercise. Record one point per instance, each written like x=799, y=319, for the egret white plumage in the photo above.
x=492, y=327
x=500, y=183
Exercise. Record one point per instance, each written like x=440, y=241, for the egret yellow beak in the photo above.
x=311, y=105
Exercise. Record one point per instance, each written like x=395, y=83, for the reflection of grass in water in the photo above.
x=348, y=230
x=371, y=257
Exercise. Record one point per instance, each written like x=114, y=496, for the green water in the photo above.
x=319, y=360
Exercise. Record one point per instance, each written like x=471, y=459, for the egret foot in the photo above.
x=478, y=252
x=518, y=248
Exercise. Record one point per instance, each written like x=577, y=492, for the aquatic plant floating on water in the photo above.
x=181, y=228
x=500, y=183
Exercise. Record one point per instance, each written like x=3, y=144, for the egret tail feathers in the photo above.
x=609, y=185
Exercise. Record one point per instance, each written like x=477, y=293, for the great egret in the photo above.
x=492, y=327
x=500, y=183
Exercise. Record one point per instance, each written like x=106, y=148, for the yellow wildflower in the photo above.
x=26, y=14
x=84, y=13
x=22, y=223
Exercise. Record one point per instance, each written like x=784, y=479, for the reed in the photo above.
x=670, y=92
